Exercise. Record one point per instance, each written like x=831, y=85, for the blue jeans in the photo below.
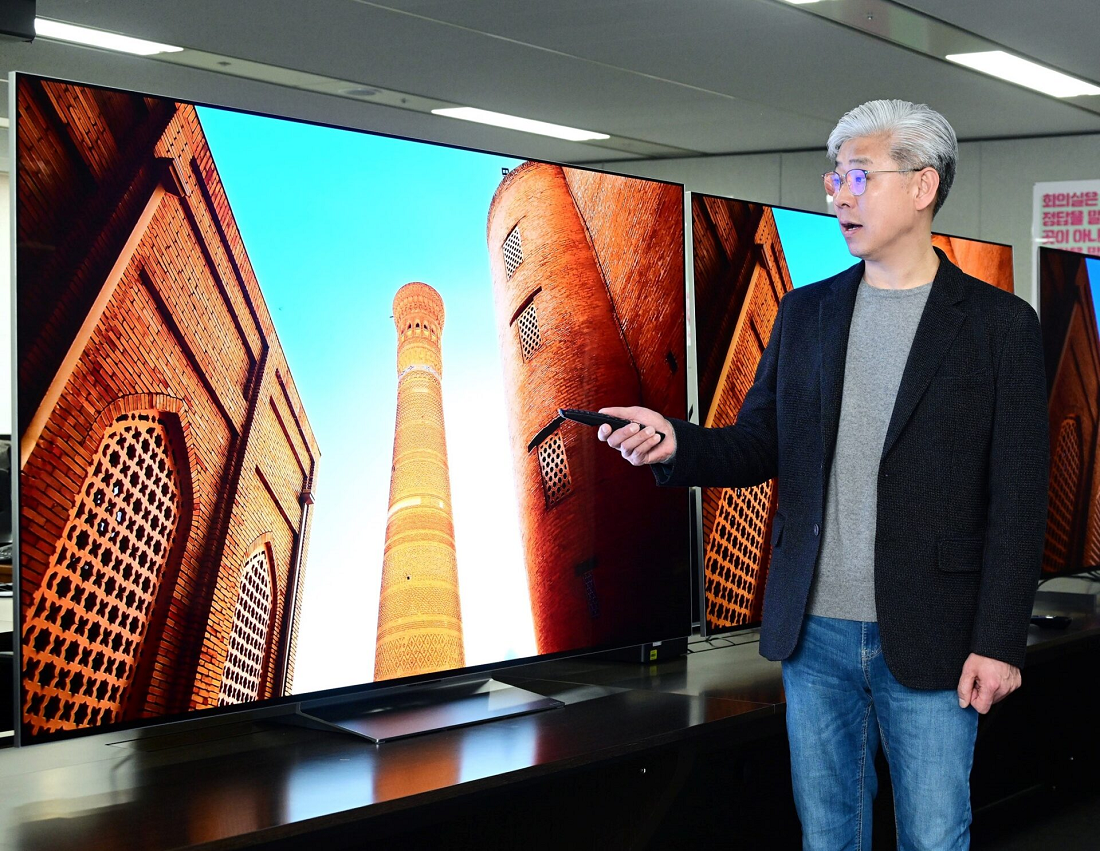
x=841, y=701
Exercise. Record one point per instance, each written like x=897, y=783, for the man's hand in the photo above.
x=639, y=442
x=986, y=681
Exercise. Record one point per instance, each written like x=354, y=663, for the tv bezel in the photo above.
x=265, y=707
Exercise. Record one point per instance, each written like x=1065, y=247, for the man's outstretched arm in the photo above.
x=740, y=455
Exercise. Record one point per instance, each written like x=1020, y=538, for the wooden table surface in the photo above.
x=246, y=782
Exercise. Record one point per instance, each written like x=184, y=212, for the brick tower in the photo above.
x=419, y=617
x=588, y=284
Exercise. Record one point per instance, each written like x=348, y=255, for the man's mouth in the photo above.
x=849, y=227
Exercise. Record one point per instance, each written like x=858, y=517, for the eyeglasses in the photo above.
x=856, y=179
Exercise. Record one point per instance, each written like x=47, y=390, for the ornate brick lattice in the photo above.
x=244, y=663
x=513, y=252
x=1065, y=477
x=555, y=470
x=86, y=623
x=529, y=336
x=734, y=552
x=416, y=653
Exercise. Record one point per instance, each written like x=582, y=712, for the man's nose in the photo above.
x=844, y=194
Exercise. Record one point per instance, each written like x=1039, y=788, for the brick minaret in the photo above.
x=419, y=618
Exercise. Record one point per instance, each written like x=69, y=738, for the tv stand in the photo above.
x=1065, y=602
x=418, y=708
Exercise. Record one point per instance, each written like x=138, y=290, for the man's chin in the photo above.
x=860, y=249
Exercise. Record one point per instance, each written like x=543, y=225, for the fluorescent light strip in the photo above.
x=59, y=31
x=527, y=125
x=997, y=63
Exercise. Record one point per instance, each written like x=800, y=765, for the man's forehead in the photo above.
x=856, y=160
x=864, y=151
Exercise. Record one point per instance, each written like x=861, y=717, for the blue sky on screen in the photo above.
x=1092, y=268
x=334, y=223
x=812, y=244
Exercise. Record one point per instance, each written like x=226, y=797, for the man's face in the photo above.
x=886, y=211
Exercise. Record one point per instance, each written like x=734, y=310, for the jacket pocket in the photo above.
x=777, y=530
x=960, y=555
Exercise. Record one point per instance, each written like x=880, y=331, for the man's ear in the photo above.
x=927, y=185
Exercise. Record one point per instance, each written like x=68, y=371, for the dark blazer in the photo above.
x=962, y=483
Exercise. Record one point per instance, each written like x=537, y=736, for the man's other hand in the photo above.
x=640, y=442
x=986, y=681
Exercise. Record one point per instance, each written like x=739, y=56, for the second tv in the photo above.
x=746, y=257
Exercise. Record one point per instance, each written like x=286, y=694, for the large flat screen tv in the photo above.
x=1069, y=284
x=286, y=399
x=746, y=256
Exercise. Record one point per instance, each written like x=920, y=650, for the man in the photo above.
x=901, y=405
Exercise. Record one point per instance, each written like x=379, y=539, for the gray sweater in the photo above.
x=884, y=323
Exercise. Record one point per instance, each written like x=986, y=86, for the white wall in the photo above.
x=991, y=198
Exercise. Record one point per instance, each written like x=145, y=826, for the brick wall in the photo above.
x=180, y=330
x=635, y=228
x=723, y=257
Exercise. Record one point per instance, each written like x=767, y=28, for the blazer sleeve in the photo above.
x=1019, y=470
x=741, y=455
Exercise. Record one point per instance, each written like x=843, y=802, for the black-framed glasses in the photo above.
x=856, y=178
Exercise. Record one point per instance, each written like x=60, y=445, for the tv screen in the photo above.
x=287, y=408
x=1068, y=286
x=746, y=256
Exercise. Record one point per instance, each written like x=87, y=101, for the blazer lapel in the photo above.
x=835, y=321
x=937, y=329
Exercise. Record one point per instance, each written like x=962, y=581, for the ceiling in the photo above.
x=702, y=76
x=1060, y=33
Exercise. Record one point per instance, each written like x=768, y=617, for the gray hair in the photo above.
x=920, y=137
